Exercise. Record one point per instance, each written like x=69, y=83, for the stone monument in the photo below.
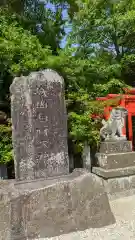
x=39, y=123
x=47, y=201
x=115, y=159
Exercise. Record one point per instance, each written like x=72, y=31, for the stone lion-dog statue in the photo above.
x=112, y=129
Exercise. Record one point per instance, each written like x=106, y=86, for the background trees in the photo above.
x=105, y=31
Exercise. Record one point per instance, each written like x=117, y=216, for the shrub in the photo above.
x=6, y=154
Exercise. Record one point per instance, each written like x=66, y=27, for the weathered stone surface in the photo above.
x=39, y=122
x=120, y=187
x=124, y=228
x=115, y=147
x=61, y=207
x=113, y=173
x=4, y=220
x=115, y=165
x=6, y=187
x=86, y=156
x=113, y=161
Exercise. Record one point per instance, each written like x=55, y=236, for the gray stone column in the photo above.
x=86, y=157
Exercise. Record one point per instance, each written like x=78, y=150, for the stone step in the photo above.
x=115, y=147
x=113, y=173
x=115, y=160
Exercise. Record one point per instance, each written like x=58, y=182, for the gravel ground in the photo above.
x=124, y=228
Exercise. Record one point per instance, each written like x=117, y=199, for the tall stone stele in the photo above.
x=39, y=126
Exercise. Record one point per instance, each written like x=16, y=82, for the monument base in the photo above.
x=48, y=208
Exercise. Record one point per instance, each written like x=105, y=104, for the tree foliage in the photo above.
x=20, y=51
x=6, y=154
x=106, y=29
x=44, y=22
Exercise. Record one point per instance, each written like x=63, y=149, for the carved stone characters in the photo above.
x=39, y=123
x=112, y=129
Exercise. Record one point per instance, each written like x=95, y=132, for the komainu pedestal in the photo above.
x=115, y=159
x=115, y=164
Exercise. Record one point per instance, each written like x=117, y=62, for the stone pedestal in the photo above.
x=114, y=156
x=42, y=209
x=115, y=160
x=115, y=147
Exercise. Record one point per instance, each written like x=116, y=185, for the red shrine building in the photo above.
x=127, y=101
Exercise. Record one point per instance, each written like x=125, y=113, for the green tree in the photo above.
x=46, y=23
x=104, y=31
x=20, y=51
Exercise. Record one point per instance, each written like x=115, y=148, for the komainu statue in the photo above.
x=112, y=129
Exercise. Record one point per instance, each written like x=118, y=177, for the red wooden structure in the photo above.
x=127, y=101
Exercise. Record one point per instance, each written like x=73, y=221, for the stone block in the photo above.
x=114, y=161
x=6, y=188
x=59, y=207
x=113, y=173
x=120, y=187
x=88, y=207
x=115, y=147
x=4, y=220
